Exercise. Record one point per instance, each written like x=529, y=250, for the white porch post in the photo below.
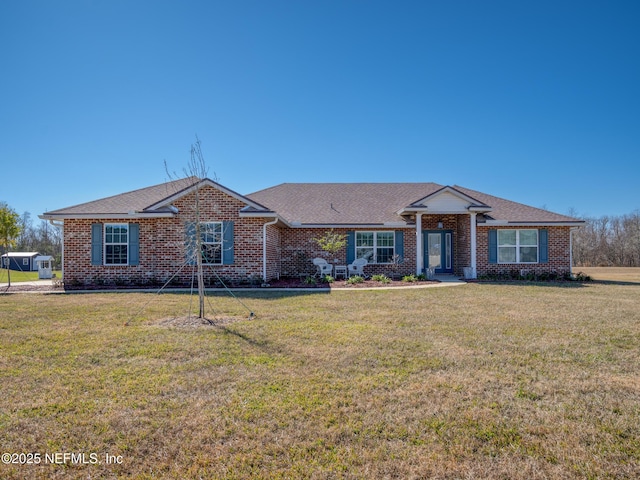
x=472, y=216
x=419, y=246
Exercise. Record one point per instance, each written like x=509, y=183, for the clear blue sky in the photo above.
x=537, y=102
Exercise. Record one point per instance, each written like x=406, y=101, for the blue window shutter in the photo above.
x=400, y=243
x=227, y=243
x=134, y=244
x=351, y=246
x=190, y=243
x=96, y=244
x=543, y=240
x=493, y=246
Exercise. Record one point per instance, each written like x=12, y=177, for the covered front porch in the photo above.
x=446, y=244
x=446, y=232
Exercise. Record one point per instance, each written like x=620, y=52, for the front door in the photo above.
x=438, y=251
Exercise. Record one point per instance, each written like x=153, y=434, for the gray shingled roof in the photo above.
x=135, y=201
x=342, y=203
x=377, y=203
x=314, y=203
x=502, y=209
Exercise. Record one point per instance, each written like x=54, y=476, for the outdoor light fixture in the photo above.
x=440, y=225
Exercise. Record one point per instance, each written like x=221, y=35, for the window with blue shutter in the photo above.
x=518, y=246
x=190, y=243
x=227, y=243
x=134, y=244
x=216, y=241
x=96, y=244
x=493, y=246
x=543, y=236
x=119, y=242
x=400, y=243
x=351, y=246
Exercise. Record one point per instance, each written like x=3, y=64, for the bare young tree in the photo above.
x=198, y=171
x=197, y=168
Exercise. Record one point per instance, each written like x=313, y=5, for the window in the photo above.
x=211, y=241
x=216, y=243
x=116, y=244
x=25, y=261
x=517, y=246
x=375, y=247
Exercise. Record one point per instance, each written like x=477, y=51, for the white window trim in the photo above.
x=221, y=242
x=518, y=245
x=375, y=245
x=104, y=244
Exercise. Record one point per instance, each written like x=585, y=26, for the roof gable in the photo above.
x=210, y=183
x=154, y=201
x=448, y=200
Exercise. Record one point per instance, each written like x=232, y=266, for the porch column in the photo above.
x=419, y=246
x=472, y=216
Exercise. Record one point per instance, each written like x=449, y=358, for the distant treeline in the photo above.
x=608, y=242
x=41, y=237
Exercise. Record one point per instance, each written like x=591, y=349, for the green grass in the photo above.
x=477, y=381
x=18, y=277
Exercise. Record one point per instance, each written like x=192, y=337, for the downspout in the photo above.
x=264, y=248
x=419, y=245
x=60, y=225
x=474, y=245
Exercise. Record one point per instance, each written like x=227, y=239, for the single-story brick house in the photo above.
x=142, y=237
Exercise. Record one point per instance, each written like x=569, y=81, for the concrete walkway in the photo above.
x=449, y=279
x=35, y=283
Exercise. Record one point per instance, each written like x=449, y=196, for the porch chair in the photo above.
x=324, y=268
x=357, y=267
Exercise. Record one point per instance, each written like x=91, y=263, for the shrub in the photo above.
x=582, y=277
x=381, y=278
x=410, y=278
x=327, y=279
x=355, y=279
x=255, y=280
x=310, y=280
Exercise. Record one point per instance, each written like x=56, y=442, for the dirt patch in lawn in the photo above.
x=193, y=321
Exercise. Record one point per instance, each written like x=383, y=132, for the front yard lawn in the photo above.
x=478, y=381
x=19, y=277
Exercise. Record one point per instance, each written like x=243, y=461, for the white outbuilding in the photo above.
x=45, y=266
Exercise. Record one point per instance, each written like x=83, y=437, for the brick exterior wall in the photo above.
x=162, y=247
x=559, y=253
x=299, y=249
x=289, y=250
x=274, y=252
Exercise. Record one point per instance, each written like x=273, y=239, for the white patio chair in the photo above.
x=357, y=267
x=324, y=268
